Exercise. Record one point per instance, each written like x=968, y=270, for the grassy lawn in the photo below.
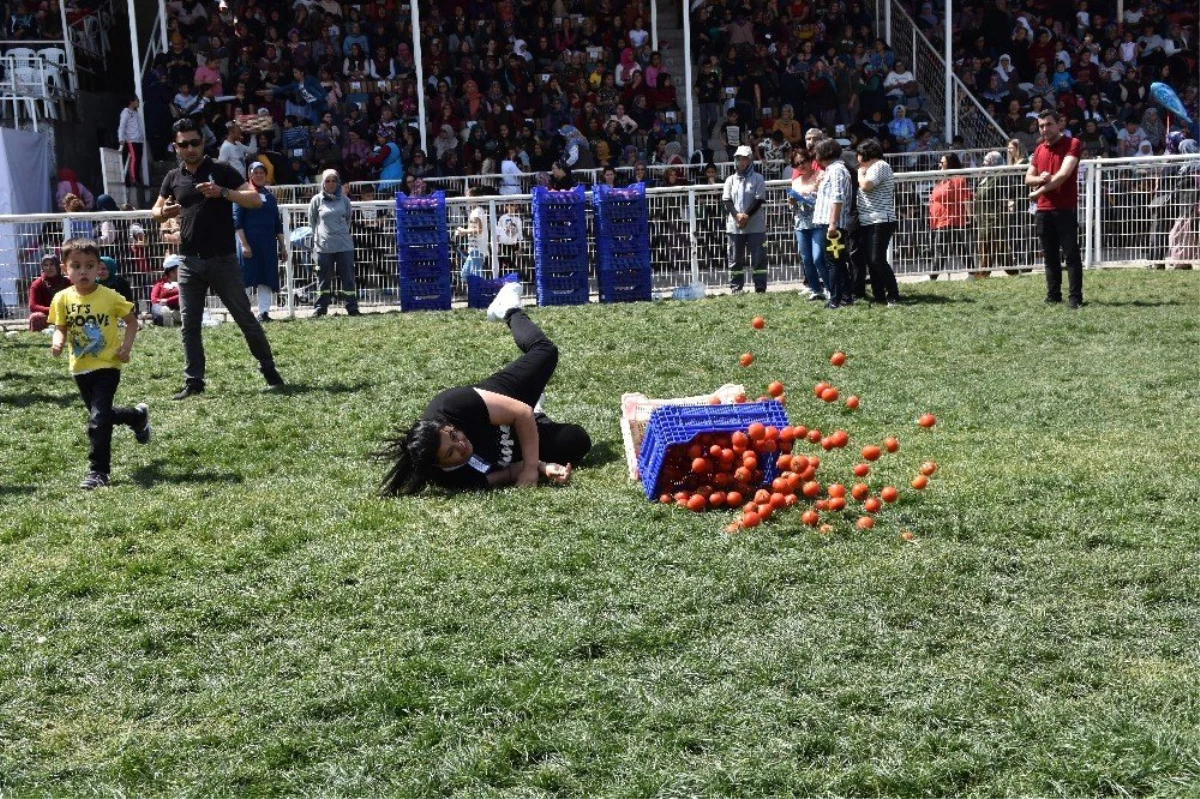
x=239, y=615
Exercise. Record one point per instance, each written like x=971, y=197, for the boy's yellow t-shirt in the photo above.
x=93, y=336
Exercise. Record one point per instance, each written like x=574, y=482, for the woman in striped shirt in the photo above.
x=877, y=219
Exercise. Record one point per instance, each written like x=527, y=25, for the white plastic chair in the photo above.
x=22, y=56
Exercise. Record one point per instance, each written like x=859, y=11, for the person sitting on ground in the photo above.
x=42, y=291
x=491, y=434
x=109, y=275
x=164, y=296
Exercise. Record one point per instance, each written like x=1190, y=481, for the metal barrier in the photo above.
x=1132, y=211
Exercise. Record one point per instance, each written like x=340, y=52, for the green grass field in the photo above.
x=240, y=615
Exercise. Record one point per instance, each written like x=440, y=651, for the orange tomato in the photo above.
x=919, y=482
x=928, y=468
x=701, y=466
x=819, y=388
x=889, y=494
x=871, y=452
x=762, y=496
x=810, y=517
x=838, y=358
x=821, y=505
x=906, y=535
x=830, y=394
x=799, y=432
x=861, y=470
x=771, y=433
x=775, y=388
x=860, y=491
x=716, y=499
x=810, y=489
x=825, y=529
x=836, y=490
x=891, y=444
x=746, y=360
x=665, y=499
x=733, y=499
x=927, y=420
x=778, y=500
x=697, y=503
x=750, y=519
x=758, y=323
x=840, y=438
x=852, y=401
x=872, y=505
x=837, y=503
x=739, y=440
x=865, y=523
x=814, y=435
x=757, y=431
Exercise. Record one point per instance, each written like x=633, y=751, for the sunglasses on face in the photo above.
x=187, y=143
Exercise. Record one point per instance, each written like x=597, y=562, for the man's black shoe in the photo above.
x=187, y=391
x=274, y=380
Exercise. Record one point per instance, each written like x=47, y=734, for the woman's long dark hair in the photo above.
x=413, y=455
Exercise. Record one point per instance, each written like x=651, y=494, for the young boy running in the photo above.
x=85, y=317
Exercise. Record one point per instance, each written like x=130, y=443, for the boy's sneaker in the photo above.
x=93, y=481
x=507, y=299
x=540, y=405
x=188, y=390
x=816, y=298
x=142, y=434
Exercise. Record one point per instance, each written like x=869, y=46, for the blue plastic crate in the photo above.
x=632, y=245
x=678, y=424
x=544, y=196
x=632, y=192
x=614, y=262
x=570, y=288
x=423, y=235
x=482, y=290
x=440, y=302
x=569, y=247
x=633, y=227
x=433, y=203
x=638, y=288
x=422, y=252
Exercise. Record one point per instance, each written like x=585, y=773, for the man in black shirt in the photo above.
x=199, y=193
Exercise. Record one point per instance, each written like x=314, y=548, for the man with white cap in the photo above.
x=744, y=195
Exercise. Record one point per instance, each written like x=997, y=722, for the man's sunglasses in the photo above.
x=189, y=143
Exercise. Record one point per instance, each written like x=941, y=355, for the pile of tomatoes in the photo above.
x=724, y=470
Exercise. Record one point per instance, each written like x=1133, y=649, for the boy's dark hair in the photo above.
x=80, y=246
x=131, y=98
x=185, y=125
x=413, y=457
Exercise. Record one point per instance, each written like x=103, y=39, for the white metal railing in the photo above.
x=1132, y=211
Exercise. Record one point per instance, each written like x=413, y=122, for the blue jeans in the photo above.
x=472, y=264
x=811, y=244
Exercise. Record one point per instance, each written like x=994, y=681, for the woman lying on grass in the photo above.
x=491, y=434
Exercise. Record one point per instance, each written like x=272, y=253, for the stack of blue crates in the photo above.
x=560, y=246
x=423, y=248
x=622, y=243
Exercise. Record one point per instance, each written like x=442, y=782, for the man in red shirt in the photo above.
x=1051, y=175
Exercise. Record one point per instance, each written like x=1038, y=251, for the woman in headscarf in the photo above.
x=1183, y=241
x=990, y=211
x=625, y=69
x=1153, y=127
x=329, y=216
x=260, y=239
x=901, y=127
x=445, y=141
x=1006, y=72
x=68, y=183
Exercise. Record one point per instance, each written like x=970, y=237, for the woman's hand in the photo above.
x=557, y=473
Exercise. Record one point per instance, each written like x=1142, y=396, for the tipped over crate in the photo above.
x=675, y=425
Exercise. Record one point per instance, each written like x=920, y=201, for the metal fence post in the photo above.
x=1089, y=176
x=693, y=236
x=289, y=273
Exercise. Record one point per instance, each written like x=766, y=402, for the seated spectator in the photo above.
x=43, y=289
x=184, y=103
x=901, y=127
x=900, y=82
x=164, y=295
x=354, y=65
x=109, y=275
x=69, y=184
x=1130, y=138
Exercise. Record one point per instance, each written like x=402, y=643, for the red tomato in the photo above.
x=787, y=434
x=714, y=400
x=783, y=463
x=810, y=517
x=865, y=523
x=757, y=431
x=861, y=470
x=722, y=479
x=891, y=444
x=739, y=440
x=928, y=468
x=779, y=485
x=697, y=503
x=919, y=482
x=836, y=490
x=889, y=494
x=814, y=435
x=742, y=475
x=665, y=499
x=810, y=489
x=750, y=460
x=800, y=432
x=840, y=438
x=927, y=420
x=838, y=358
x=819, y=388
x=775, y=388
x=750, y=519
x=825, y=529
x=799, y=463
x=872, y=505
x=827, y=443
x=790, y=500
x=739, y=399
x=837, y=503
x=814, y=461
x=733, y=499
x=852, y=402
x=830, y=394
x=871, y=452
x=762, y=496
x=821, y=505
x=764, y=511
x=771, y=433
x=758, y=323
x=746, y=359
x=716, y=499
x=778, y=500
x=701, y=466
x=906, y=535
x=860, y=491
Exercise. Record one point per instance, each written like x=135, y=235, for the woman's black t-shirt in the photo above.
x=496, y=446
